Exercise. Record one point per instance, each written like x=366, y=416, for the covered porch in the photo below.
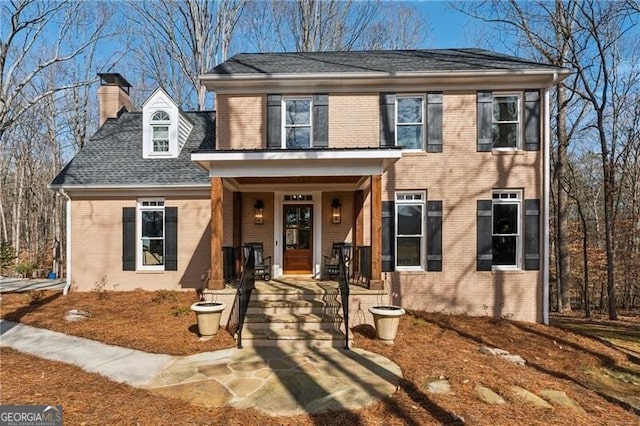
x=297, y=204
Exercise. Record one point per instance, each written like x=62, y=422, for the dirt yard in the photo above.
x=428, y=346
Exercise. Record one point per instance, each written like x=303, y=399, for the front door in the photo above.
x=298, y=238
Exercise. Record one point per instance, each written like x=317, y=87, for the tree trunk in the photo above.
x=564, y=266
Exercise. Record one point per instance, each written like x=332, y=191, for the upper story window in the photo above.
x=410, y=121
x=297, y=132
x=410, y=230
x=506, y=121
x=506, y=235
x=160, y=122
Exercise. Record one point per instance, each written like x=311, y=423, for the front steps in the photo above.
x=286, y=315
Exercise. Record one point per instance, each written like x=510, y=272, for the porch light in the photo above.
x=258, y=210
x=336, y=213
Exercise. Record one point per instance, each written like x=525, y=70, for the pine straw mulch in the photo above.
x=427, y=345
x=158, y=322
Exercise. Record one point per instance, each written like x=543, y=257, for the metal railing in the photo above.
x=343, y=286
x=245, y=287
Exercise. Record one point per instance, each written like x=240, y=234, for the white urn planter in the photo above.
x=386, y=319
x=208, y=315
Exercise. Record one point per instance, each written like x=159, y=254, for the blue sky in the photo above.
x=449, y=28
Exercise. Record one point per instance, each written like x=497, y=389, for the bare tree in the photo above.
x=184, y=39
x=332, y=25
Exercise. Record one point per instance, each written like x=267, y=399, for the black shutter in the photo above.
x=128, y=238
x=532, y=120
x=434, y=122
x=274, y=121
x=320, y=121
x=485, y=121
x=434, y=235
x=387, y=119
x=170, y=238
x=484, y=236
x=388, y=236
x=532, y=234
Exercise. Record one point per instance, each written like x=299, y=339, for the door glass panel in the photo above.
x=298, y=225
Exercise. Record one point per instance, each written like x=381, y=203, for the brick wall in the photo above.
x=97, y=246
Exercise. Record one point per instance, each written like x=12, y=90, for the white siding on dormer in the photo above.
x=179, y=127
x=184, y=129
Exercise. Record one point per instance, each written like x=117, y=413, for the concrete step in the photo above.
x=292, y=321
x=295, y=339
x=295, y=307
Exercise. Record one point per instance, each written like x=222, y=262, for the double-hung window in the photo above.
x=160, y=122
x=506, y=121
x=410, y=230
x=410, y=121
x=297, y=132
x=151, y=216
x=506, y=226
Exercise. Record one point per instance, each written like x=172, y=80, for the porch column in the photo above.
x=216, y=279
x=237, y=231
x=376, y=233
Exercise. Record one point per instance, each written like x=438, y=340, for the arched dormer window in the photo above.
x=160, y=122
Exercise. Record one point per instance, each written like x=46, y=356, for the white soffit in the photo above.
x=297, y=163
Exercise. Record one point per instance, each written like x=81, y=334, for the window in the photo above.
x=297, y=132
x=152, y=232
x=410, y=238
x=506, y=210
x=160, y=122
x=409, y=121
x=506, y=121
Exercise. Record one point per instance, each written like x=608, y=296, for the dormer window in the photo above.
x=160, y=122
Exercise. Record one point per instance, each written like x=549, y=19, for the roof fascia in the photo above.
x=354, y=82
x=122, y=191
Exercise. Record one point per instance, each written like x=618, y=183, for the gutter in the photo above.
x=65, y=291
x=546, y=218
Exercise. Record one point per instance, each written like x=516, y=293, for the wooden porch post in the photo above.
x=237, y=230
x=376, y=233
x=216, y=279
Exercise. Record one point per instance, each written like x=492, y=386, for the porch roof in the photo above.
x=304, y=162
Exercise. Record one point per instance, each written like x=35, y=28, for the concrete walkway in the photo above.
x=18, y=285
x=273, y=380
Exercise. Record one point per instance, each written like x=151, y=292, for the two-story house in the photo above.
x=433, y=164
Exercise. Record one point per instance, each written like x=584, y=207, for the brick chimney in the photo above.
x=113, y=95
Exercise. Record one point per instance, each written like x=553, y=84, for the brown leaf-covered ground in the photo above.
x=428, y=345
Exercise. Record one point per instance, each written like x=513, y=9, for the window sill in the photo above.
x=507, y=151
x=497, y=270
x=150, y=271
x=415, y=270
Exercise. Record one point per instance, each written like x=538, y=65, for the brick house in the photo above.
x=433, y=164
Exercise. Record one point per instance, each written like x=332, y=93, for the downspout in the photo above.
x=546, y=217
x=68, y=243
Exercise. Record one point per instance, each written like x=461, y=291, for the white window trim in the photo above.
x=519, y=202
x=283, y=124
x=423, y=236
x=520, y=131
x=160, y=123
x=424, y=121
x=139, y=248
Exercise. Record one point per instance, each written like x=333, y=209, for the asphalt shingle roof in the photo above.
x=390, y=61
x=113, y=156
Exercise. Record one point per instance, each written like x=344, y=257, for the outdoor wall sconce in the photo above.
x=258, y=211
x=336, y=211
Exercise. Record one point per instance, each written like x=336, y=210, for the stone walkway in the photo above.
x=280, y=382
x=273, y=380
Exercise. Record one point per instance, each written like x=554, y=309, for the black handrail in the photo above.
x=247, y=284
x=343, y=286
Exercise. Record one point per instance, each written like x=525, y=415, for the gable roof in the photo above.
x=375, y=61
x=113, y=156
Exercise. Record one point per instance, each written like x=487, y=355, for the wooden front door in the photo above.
x=298, y=238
